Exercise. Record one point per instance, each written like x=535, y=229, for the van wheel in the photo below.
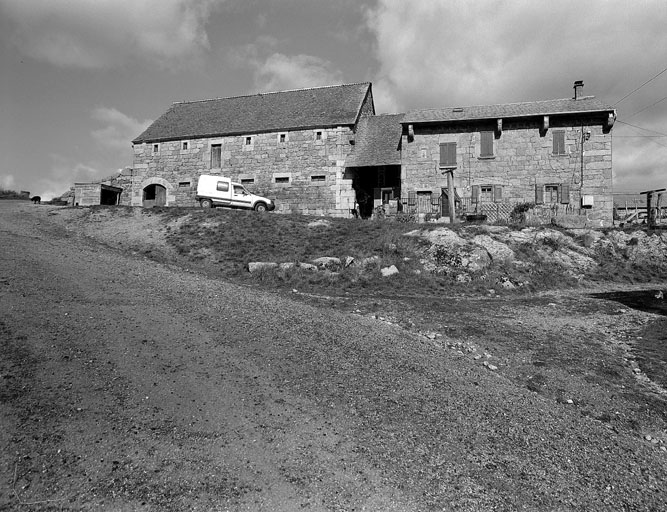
x=260, y=207
x=206, y=203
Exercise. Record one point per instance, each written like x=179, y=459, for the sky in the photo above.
x=79, y=79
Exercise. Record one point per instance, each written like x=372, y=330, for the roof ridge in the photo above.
x=508, y=104
x=269, y=93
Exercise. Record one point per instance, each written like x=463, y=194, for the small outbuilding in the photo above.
x=92, y=194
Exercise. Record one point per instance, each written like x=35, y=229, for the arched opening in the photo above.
x=154, y=195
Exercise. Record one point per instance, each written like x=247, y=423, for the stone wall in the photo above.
x=301, y=170
x=523, y=160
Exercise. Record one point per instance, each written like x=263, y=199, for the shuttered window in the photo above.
x=448, y=154
x=497, y=193
x=539, y=193
x=216, y=154
x=565, y=193
x=486, y=145
x=559, y=142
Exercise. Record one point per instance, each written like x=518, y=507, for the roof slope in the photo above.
x=274, y=111
x=377, y=141
x=587, y=104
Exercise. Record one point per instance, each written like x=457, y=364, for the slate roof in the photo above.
x=586, y=104
x=377, y=141
x=317, y=107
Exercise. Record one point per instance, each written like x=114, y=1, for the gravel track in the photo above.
x=133, y=385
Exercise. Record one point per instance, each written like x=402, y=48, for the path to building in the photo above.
x=126, y=384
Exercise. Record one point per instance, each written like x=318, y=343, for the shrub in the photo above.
x=518, y=213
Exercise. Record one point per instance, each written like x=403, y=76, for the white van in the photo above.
x=215, y=191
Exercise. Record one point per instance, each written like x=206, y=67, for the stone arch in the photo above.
x=150, y=186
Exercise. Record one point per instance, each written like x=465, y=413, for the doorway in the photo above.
x=154, y=195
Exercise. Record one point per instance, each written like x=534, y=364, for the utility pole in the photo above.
x=450, y=196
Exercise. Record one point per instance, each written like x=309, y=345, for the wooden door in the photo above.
x=160, y=195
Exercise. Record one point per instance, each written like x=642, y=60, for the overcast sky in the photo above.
x=79, y=79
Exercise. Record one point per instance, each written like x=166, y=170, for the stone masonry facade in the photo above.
x=302, y=170
x=523, y=166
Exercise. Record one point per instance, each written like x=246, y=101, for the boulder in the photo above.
x=389, y=271
x=320, y=223
x=257, y=266
x=497, y=250
x=329, y=262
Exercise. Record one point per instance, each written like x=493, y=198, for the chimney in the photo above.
x=577, y=85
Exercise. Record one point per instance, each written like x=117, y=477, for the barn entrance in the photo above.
x=376, y=187
x=154, y=195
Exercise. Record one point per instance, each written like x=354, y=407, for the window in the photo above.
x=319, y=177
x=247, y=181
x=156, y=148
x=448, y=154
x=282, y=179
x=184, y=145
x=222, y=186
x=248, y=141
x=282, y=138
x=487, y=193
x=559, y=142
x=318, y=135
x=551, y=193
x=183, y=184
x=486, y=144
x=216, y=156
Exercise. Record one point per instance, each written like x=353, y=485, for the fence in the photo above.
x=494, y=212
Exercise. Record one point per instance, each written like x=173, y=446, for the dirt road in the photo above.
x=132, y=385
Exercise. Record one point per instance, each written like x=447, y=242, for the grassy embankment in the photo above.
x=224, y=242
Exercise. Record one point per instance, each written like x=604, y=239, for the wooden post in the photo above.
x=450, y=193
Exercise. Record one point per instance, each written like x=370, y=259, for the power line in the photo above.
x=640, y=128
x=651, y=105
x=642, y=85
x=652, y=137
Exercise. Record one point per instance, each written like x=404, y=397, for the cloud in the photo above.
x=120, y=129
x=275, y=71
x=458, y=53
x=280, y=72
x=107, y=33
x=63, y=174
x=450, y=52
x=7, y=182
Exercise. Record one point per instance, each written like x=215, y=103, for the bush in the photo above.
x=518, y=213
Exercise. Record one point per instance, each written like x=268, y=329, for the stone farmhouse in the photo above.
x=325, y=151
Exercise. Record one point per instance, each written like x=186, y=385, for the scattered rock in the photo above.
x=389, y=271
x=463, y=278
x=256, y=266
x=320, y=223
x=372, y=260
x=348, y=261
x=327, y=262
